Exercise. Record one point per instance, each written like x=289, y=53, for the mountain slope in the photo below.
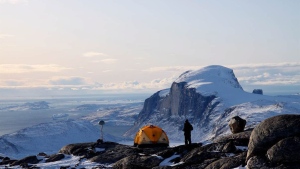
x=208, y=97
x=49, y=137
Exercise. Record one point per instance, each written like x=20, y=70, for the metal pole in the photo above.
x=101, y=132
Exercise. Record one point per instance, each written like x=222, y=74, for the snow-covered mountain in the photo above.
x=48, y=137
x=209, y=98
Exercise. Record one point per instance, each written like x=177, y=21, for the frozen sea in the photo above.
x=15, y=114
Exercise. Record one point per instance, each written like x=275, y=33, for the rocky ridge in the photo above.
x=269, y=145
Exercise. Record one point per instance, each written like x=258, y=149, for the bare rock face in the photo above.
x=55, y=157
x=137, y=161
x=71, y=148
x=180, y=101
x=257, y=162
x=285, y=151
x=271, y=131
x=239, y=139
x=228, y=162
x=229, y=147
x=257, y=91
x=29, y=159
x=237, y=124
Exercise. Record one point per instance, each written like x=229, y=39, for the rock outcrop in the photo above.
x=257, y=91
x=276, y=138
x=237, y=124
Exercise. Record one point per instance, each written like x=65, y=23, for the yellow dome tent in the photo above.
x=151, y=136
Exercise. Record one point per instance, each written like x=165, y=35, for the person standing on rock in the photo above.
x=187, y=132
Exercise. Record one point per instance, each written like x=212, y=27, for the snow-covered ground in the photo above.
x=47, y=130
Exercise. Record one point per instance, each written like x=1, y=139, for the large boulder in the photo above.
x=239, y=139
x=257, y=162
x=270, y=131
x=137, y=162
x=237, y=124
x=112, y=155
x=71, y=148
x=285, y=151
x=228, y=162
x=29, y=159
x=229, y=148
x=55, y=157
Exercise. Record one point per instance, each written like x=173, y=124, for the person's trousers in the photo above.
x=187, y=139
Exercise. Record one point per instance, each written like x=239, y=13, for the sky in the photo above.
x=78, y=47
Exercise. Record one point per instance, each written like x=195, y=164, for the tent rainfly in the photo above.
x=151, y=136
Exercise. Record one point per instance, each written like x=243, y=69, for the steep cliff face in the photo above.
x=180, y=102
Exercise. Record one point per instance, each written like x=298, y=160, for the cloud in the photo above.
x=281, y=76
x=108, y=61
x=266, y=65
x=13, y=1
x=172, y=68
x=25, y=68
x=268, y=75
x=67, y=81
x=94, y=54
x=270, y=78
x=2, y=36
x=13, y=83
x=156, y=84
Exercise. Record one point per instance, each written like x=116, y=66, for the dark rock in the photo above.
x=202, y=165
x=71, y=148
x=183, y=149
x=42, y=154
x=257, y=91
x=163, y=167
x=197, y=156
x=285, y=151
x=5, y=159
x=114, y=154
x=150, y=151
x=288, y=166
x=257, y=162
x=237, y=124
x=214, y=147
x=5, y=162
x=29, y=159
x=55, y=157
x=229, y=148
x=80, y=151
x=166, y=153
x=228, y=162
x=239, y=139
x=137, y=162
x=270, y=131
x=175, y=160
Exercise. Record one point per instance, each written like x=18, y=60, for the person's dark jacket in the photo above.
x=187, y=128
